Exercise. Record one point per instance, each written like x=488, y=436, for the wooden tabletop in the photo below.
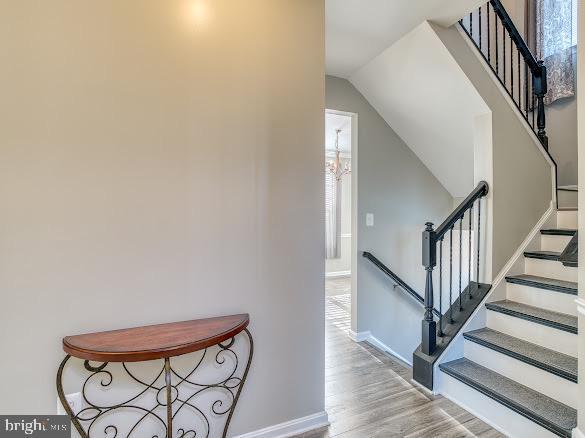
x=155, y=341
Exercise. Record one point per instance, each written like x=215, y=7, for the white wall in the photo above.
x=517, y=170
x=163, y=161
x=402, y=193
x=429, y=102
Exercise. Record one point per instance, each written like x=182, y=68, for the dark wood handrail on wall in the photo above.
x=397, y=280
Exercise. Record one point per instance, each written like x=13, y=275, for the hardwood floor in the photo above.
x=370, y=394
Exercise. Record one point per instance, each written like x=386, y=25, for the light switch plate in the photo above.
x=369, y=219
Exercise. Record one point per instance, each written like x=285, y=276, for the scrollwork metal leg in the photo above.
x=63, y=400
x=182, y=394
x=251, y=341
x=169, y=398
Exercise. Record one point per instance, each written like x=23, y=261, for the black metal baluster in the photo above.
x=532, y=105
x=526, y=89
x=478, y=239
x=519, y=80
x=511, y=70
x=441, y=286
x=504, y=52
x=460, y=257
x=479, y=28
x=488, y=34
x=471, y=25
x=451, y=275
x=496, y=41
x=469, y=257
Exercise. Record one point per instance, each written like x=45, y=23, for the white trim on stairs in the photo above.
x=580, y=308
x=501, y=277
x=577, y=433
x=523, y=246
x=484, y=408
x=291, y=428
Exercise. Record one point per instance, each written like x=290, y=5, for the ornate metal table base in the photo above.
x=183, y=397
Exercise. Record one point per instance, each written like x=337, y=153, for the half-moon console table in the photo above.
x=166, y=394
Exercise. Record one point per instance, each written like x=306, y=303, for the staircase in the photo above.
x=525, y=358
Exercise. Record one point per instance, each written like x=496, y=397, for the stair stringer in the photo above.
x=493, y=413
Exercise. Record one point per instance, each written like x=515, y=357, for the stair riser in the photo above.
x=567, y=199
x=567, y=219
x=546, y=299
x=550, y=269
x=553, y=242
x=492, y=412
x=539, y=334
x=540, y=380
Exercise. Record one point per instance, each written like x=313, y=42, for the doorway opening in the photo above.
x=340, y=209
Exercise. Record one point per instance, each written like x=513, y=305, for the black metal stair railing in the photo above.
x=432, y=251
x=397, y=280
x=464, y=294
x=494, y=34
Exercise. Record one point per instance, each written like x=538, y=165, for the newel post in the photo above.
x=540, y=88
x=429, y=260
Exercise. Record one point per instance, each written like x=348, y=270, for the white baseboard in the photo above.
x=383, y=347
x=519, y=253
x=338, y=274
x=291, y=428
x=359, y=336
x=375, y=342
x=577, y=433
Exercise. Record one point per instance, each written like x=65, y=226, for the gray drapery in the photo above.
x=550, y=33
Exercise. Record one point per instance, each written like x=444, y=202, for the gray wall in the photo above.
x=402, y=193
x=561, y=127
x=161, y=164
x=522, y=181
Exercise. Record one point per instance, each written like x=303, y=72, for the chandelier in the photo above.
x=334, y=166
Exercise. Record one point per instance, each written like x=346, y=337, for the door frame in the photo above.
x=354, y=214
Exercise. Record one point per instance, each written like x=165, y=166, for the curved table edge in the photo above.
x=144, y=355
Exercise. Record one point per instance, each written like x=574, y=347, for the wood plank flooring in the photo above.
x=370, y=394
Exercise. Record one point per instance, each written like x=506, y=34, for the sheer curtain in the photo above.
x=332, y=216
x=554, y=30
